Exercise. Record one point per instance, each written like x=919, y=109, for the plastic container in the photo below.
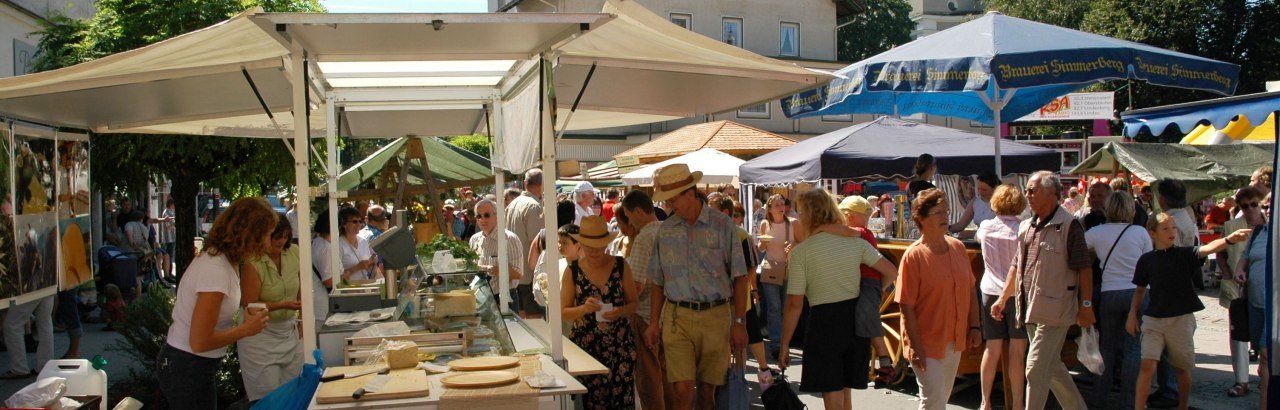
x=82, y=378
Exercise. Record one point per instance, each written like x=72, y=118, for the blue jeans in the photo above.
x=773, y=300
x=1117, y=347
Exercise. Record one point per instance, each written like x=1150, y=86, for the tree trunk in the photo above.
x=183, y=194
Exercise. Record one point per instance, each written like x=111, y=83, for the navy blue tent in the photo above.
x=887, y=148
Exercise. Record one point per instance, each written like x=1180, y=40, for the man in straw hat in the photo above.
x=697, y=269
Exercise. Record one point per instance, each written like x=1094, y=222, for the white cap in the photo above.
x=584, y=186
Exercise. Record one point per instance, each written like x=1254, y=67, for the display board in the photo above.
x=45, y=219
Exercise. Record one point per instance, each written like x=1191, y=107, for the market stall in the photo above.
x=728, y=137
x=373, y=76
x=1205, y=169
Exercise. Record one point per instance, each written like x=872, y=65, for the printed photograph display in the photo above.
x=36, y=222
x=9, y=279
x=74, y=220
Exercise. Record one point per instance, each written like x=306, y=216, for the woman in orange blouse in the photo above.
x=936, y=293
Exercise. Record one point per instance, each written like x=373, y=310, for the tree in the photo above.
x=479, y=144
x=1243, y=32
x=125, y=163
x=884, y=24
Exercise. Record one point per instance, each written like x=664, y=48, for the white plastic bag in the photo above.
x=1087, y=350
x=44, y=393
x=384, y=330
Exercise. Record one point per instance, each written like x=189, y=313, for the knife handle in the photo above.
x=358, y=394
x=332, y=377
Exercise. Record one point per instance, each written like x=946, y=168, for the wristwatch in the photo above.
x=1087, y=303
x=740, y=320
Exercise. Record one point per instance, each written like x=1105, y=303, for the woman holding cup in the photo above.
x=597, y=295
x=269, y=283
x=207, y=301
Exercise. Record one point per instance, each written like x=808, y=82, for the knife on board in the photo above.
x=373, y=386
x=340, y=376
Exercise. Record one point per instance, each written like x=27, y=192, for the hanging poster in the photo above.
x=36, y=222
x=74, y=222
x=9, y=280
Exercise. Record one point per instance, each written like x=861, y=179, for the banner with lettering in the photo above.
x=951, y=73
x=1076, y=106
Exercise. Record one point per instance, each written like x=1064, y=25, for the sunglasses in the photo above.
x=1249, y=205
x=486, y=215
x=356, y=222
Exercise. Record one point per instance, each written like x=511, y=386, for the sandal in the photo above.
x=884, y=375
x=1237, y=390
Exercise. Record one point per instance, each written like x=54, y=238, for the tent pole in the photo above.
x=995, y=114
x=551, y=259
x=301, y=171
x=590, y=72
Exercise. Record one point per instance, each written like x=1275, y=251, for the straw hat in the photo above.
x=856, y=204
x=594, y=232
x=673, y=179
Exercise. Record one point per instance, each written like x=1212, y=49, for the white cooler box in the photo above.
x=82, y=378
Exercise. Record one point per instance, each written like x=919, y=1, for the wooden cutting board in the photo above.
x=472, y=380
x=403, y=383
x=484, y=363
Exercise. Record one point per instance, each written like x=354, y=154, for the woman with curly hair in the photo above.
x=207, y=300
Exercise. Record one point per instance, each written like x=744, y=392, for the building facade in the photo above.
x=20, y=20
x=800, y=31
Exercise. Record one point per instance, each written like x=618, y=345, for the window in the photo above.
x=838, y=118
x=789, y=39
x=682, y=20
x=732, y=32
x=755, y=111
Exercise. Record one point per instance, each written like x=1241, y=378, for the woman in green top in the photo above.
x=273, y=357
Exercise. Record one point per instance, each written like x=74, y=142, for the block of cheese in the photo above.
x=402, y=356
x=459, y=302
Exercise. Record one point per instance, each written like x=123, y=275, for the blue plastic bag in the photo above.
x=295, y=394
x=734, y=395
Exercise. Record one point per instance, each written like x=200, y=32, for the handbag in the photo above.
x=780, y=395
x=774, y=272
x=734, y=395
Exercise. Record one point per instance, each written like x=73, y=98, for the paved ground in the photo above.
x=1210, y=379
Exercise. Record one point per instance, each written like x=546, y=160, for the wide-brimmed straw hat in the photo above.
x=673, y=179
x=594, y=232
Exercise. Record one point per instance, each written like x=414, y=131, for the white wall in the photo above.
x=14, y=25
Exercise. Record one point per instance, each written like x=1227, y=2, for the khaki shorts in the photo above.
x=696, y=343
x=1172, y=335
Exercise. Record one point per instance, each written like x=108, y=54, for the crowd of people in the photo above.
x=665, y=287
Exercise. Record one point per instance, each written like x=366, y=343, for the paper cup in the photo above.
x=607, y=307
x=256, y=308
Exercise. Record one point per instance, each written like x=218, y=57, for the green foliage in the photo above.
x=459, y=249
x=883, y=25
x=479, y=144
x=126, y=163
x=1243, y=32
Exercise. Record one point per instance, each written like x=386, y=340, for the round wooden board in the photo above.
x=484, y=363
x=471, y=380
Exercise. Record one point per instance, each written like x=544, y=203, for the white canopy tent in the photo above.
x=390, y=75
x=717, y=168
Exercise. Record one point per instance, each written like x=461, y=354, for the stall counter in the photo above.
x=580, y=363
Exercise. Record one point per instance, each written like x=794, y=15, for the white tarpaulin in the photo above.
x=717, y=168
x=647, y=65
x=520, y=127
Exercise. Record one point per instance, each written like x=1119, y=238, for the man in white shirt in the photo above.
x=584, y=196
x=524, y=217
x=485, y=243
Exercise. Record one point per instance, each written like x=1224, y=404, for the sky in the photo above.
x=405, y=6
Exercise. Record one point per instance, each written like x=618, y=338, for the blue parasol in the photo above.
x=951, y=72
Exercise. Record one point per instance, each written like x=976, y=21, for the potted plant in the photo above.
x=423, y=222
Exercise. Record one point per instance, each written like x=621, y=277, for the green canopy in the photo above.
x=1205, y=169
x=450, y=165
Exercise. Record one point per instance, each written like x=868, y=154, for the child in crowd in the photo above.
x=1169, y=322
x=570, y=250
x=113, y=310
